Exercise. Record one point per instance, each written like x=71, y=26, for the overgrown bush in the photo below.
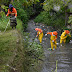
x=55, y=19
x=22, y=14
x=4, y=21
x=33, y=55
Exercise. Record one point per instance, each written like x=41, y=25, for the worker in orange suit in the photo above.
x=39, y=34
x=64, y=36
x=13, y=14
x=53, y=39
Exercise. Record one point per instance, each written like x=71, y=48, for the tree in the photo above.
x=70, y=21
x=52, y=4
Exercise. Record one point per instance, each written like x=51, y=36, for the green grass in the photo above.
x=7, y=47
x=4, y=21
x=18, y=52
x=33, y=55
x=8, y=43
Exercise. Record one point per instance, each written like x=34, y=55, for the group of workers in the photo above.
x=53, y=37
x=13, y=13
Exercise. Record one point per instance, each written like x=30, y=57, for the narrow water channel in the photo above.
x=63, y=55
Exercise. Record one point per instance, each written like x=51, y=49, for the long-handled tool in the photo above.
x=54, y=42
x=7, y=26
x=8, y=23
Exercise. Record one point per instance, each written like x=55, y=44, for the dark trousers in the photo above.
x=13, y=21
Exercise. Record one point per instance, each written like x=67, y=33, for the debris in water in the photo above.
x=45, y=39
x=43, y=26
x=70, y=41
x=47, y=27
x=40, y=25
x=26, y=36
x=49, y=48
x=32, y=64
x=44, y=29
x=36, y=23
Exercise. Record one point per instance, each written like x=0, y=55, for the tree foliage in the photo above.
x=50, y=4
x=70, y=19
x=27, y=2
x=4, y=1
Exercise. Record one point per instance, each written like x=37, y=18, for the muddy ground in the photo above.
x=62, y=54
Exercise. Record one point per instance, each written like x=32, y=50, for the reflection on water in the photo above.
x=64, y=57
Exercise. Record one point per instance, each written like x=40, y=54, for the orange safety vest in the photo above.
x=39, y=30
x=14, y=12
x=53, y=33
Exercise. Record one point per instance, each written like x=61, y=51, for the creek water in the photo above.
x=62, y=54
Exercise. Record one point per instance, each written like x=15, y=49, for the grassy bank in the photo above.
x=33, y=55
x=16, y=52
x=10, y=43
x=4, y=21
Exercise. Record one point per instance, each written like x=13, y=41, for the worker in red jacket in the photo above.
x=53, y=39
x=39, y=34
x=13, y=13
x=64, y=36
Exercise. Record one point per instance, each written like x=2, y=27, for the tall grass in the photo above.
x=8, y=43
x=4, y=21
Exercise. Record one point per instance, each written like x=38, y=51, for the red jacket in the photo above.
x=14, y=12
x=53, y=33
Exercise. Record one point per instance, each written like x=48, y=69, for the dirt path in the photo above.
x=62, y=55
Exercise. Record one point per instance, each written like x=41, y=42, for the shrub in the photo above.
x=22, y=14
x=51, y=19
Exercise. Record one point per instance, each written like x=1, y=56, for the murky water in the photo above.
x=63, y=55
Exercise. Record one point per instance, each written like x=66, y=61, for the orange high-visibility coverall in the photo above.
x=14, y=12
x=53, y=39
x=64, y=36
x=39, y=34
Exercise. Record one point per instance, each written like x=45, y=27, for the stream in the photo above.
x=62, y=54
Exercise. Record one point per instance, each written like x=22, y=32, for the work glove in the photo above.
x=39, y=32
x=36, y=35
x=6, y=15
x=45, y=34
x=52, y=40
x=14, y=16
x=57, y=43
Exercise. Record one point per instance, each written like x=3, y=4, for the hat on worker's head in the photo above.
x=67, y=31
x=36, y=29
x=55, y=33
x=10, y=5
